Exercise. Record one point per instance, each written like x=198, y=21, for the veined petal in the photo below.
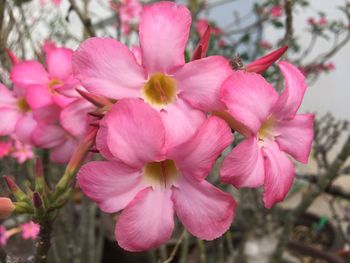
x=279, y=175
x=112, y=185
x=29, y=73
x=181, y=122
x=197, y=156
x=244, y=166
x=101, y=141
x=199, y=82
x=48, y=115
x=204, y=210
x=48, y=136
x=147, y=222
x=135, y=132
x=59, y=63
x=107, y=67
x=249, y=98
x=164, y=31
x=293, y=93
x=295, y=136
x=24, y=128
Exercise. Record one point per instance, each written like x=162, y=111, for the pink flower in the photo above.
x=265, y=45
x=30, y=230
x=3, y=236
x=323, y=21
x=272, y=129
x=276, y=11
x=5, y=148
x=17, y=118
x=201, y=27
x=22, y=151
x=43, y=88
x=108, y=68
x=129, y=14
x=55, y=2
x=149, y=180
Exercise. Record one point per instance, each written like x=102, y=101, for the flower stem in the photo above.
x=43, y=242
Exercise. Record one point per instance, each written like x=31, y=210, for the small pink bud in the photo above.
x=99, y=101
x=262, y=64
x=12, y=57
x=6, y=207
x=202, y=47
x=11, y=183
x=37, y=200
x=39, y=172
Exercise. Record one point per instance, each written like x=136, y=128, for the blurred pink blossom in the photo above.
x=30, y=230
x=276, y=11
x=3, y=236
x=21, y=151
x=5, y=148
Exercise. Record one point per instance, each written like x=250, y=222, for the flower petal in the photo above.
x=295, y=136
x=7, y=98
x=24, y=128
x=101, y=141
x=249, y=98
x=197, y=156
x=48, y=136
x=59, y=63
x=204, y=210
x=29, y=73
x=112, y=185
x=38, y=96
x=107, y=67
x=293, y=93
x=244, y=166
x=136, y=134
x=49, y=114
x=74, y=117
x=8, y=121
x=63, y=152
x=199, y=82
x=181, y=122
x=164, y=31
x=147, y=222
x=279, y=175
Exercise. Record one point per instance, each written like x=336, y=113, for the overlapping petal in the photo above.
x=59, y=63
x=204, y=210
x=199, y=82
x=107, y=67
x=8, y=121
x=197, y=156
x=136, y=134
x=249, y=98
x=29, y=73
x=63, y=152
x=116, y=186
x=244, y=166
x=279, y=175
x=293, y=93
x=147, y=221
x=6, y=97
x=164, y=31
x=38, y=96
x=48, y=135
x=295, y=136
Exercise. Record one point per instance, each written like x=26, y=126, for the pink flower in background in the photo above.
x=202, y=25
x=3, y=236
x=265, y=45
x=43, y=88
x=129, y=14
x=21, y=151
x=16, y=115
x=108, y=68
x=55, y=2
x=272, y=129
x=149, y=180
x=276, y=11
x=30, y=230
x=5, y=148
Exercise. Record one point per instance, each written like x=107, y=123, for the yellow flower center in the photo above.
x=161, y=173
x=23, y=105
x=266, y=129
x=160, y=90
x=53, y=83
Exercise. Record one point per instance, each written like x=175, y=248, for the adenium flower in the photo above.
x=276, y=11
x=272, y=129
x=148, y=180
x=55, y=2
x=30, y=230
x=21, y=151
x=5, y=148
x=108, y=68
x=45, y=87
x=3, y=236
x=129, y=14
x=17, y=118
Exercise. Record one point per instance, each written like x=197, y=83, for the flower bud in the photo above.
x=37, y=200
x=98, y=101
x=39, y=176
x=6, y=207
x=15, y=190
x=260, y=65
x=202, y=47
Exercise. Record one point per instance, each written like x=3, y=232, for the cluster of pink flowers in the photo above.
x=276, y=11
x=321, y=22
x=43, y=109
x=129, y=12
x=171, y=121
x=317, y=68
x=162, y=123
x=28, y=230
x=16, y=149
x=55, y=2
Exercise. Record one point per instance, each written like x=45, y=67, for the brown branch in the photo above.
x=84, y=19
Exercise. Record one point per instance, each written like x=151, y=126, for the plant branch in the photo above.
x=84, y=19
